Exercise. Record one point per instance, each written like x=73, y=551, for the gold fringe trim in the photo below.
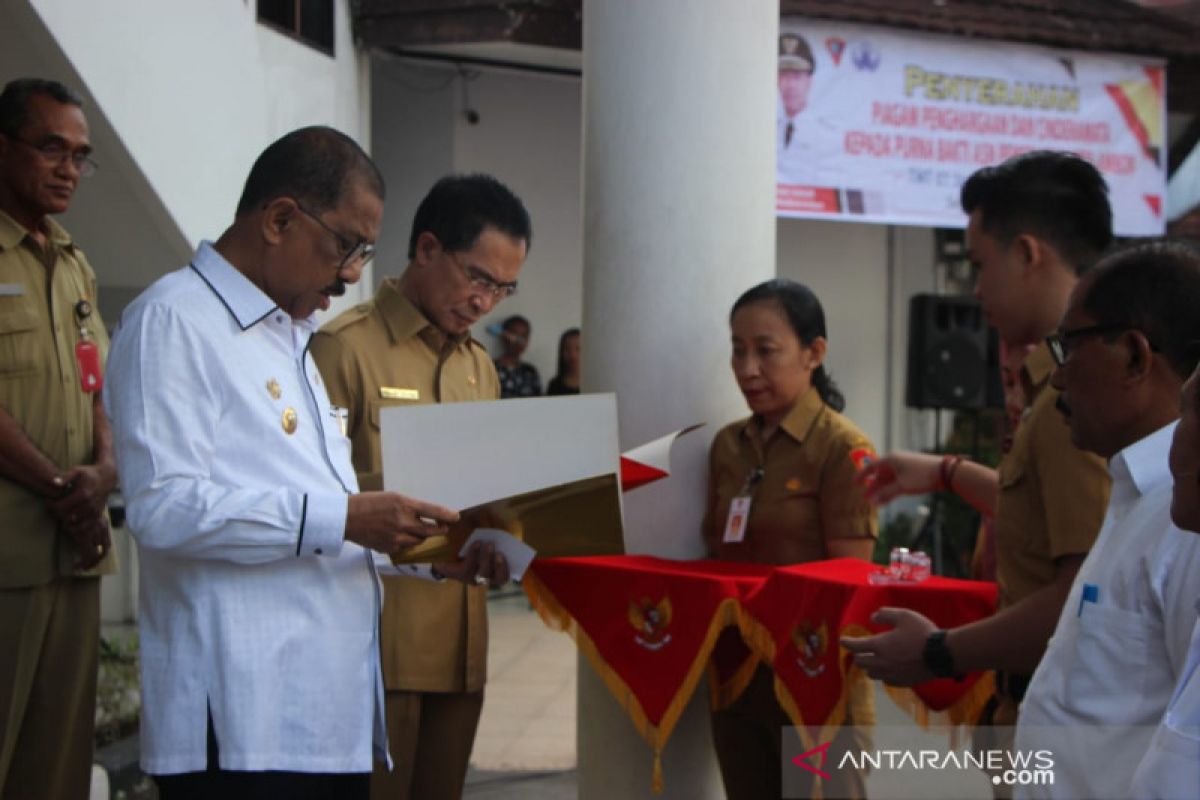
x=557, y=617
x=760, y=640
x=960, y=717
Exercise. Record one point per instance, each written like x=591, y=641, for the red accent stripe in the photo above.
x=635, y=474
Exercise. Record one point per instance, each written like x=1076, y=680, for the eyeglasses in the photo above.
x=484, y=283
x=1060, y=342
x=361, y=251
x=55, y=153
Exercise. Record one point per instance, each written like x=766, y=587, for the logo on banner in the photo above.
x=865, y=56
x=811, y=647
x=651, y=621
x=836, y=47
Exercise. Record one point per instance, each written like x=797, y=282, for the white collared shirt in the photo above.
x=252, y=605
x=1170, y=769
x=1122, y=638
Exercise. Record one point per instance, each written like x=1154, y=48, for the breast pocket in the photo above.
x=18, y=343
x=1109, y=664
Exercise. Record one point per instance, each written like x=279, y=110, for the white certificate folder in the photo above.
x=544, y=469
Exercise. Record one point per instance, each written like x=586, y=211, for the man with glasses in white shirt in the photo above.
x=411, y=343
x=1121, y=641
x=260, y=600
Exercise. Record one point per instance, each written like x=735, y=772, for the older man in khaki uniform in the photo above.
x=411, y=344
x=56, y=463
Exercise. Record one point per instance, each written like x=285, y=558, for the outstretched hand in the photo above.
x=895, y=474
x=895, y=657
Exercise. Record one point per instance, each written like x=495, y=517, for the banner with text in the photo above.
x=884, y=125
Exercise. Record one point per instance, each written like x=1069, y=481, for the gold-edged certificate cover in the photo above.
x=576, y=519
x=543, y=469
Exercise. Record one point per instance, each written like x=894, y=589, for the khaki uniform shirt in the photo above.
x=40, y=388
x=385, y=353
x=806, y=496
x=1052, y=494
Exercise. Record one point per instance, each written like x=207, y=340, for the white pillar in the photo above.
x=679, y=100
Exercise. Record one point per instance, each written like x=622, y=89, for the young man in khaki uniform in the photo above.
x=411, y=344
x=56, y=462
x=1036, y=223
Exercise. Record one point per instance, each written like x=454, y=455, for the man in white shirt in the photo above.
x=1170, y=768
x=260, y=602
x=1122, y=638
x=806, y=145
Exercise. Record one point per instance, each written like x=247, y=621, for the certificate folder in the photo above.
x=543, y=469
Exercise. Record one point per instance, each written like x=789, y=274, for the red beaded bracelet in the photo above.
x=946, y=472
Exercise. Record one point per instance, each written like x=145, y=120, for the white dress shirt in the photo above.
x=1170, y=769
x=1122, y=638
x=813, y=155
x=253, y=608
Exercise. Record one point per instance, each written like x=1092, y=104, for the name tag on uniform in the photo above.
x=12, y=289
x=735, y=523
x=396, y=393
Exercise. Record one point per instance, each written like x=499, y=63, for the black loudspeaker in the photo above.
x=953, y=357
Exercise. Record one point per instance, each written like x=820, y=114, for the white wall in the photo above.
x=847, y=266
x=527, y=136
x=191, y=91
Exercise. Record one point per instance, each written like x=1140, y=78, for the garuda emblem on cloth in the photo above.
x=811, y=646
x=651, y=621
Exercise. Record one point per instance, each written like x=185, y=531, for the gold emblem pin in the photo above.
x=273, y=388
x=793, y=485
x=396, y=393
x=471, y=379
x=290, y=420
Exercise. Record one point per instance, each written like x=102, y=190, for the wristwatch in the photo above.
x=937, y=656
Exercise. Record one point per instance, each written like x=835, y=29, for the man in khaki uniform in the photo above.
x=56, y=462
x=1036, y=223
x=411, y=344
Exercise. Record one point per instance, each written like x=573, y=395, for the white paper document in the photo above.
x=518, y=554
x=462, y=455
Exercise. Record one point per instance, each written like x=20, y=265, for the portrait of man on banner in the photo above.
x=801, y=134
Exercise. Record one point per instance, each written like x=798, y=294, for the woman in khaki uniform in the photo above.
x=781, y=490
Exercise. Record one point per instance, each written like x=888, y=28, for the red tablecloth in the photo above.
x=651, y=626
x=793, y=622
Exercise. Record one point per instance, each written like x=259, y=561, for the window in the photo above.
x=310, y=21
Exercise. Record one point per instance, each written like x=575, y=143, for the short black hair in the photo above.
x=807, y=318
x=1154, y=287
x=14, y=101
x=515, y=319
x=314, y=165
x=459, y=207
x=1057, y=197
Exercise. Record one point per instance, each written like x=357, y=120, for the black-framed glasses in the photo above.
x=484, y=283
x=361, y=250
x=1059, y=342
x=55, y=152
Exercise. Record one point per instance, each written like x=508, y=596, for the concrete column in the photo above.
x=679, y=99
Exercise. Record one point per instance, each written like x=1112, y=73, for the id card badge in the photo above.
x=735, y=523
x=87, y=358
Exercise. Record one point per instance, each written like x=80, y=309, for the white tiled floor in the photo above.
x=528, y=721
